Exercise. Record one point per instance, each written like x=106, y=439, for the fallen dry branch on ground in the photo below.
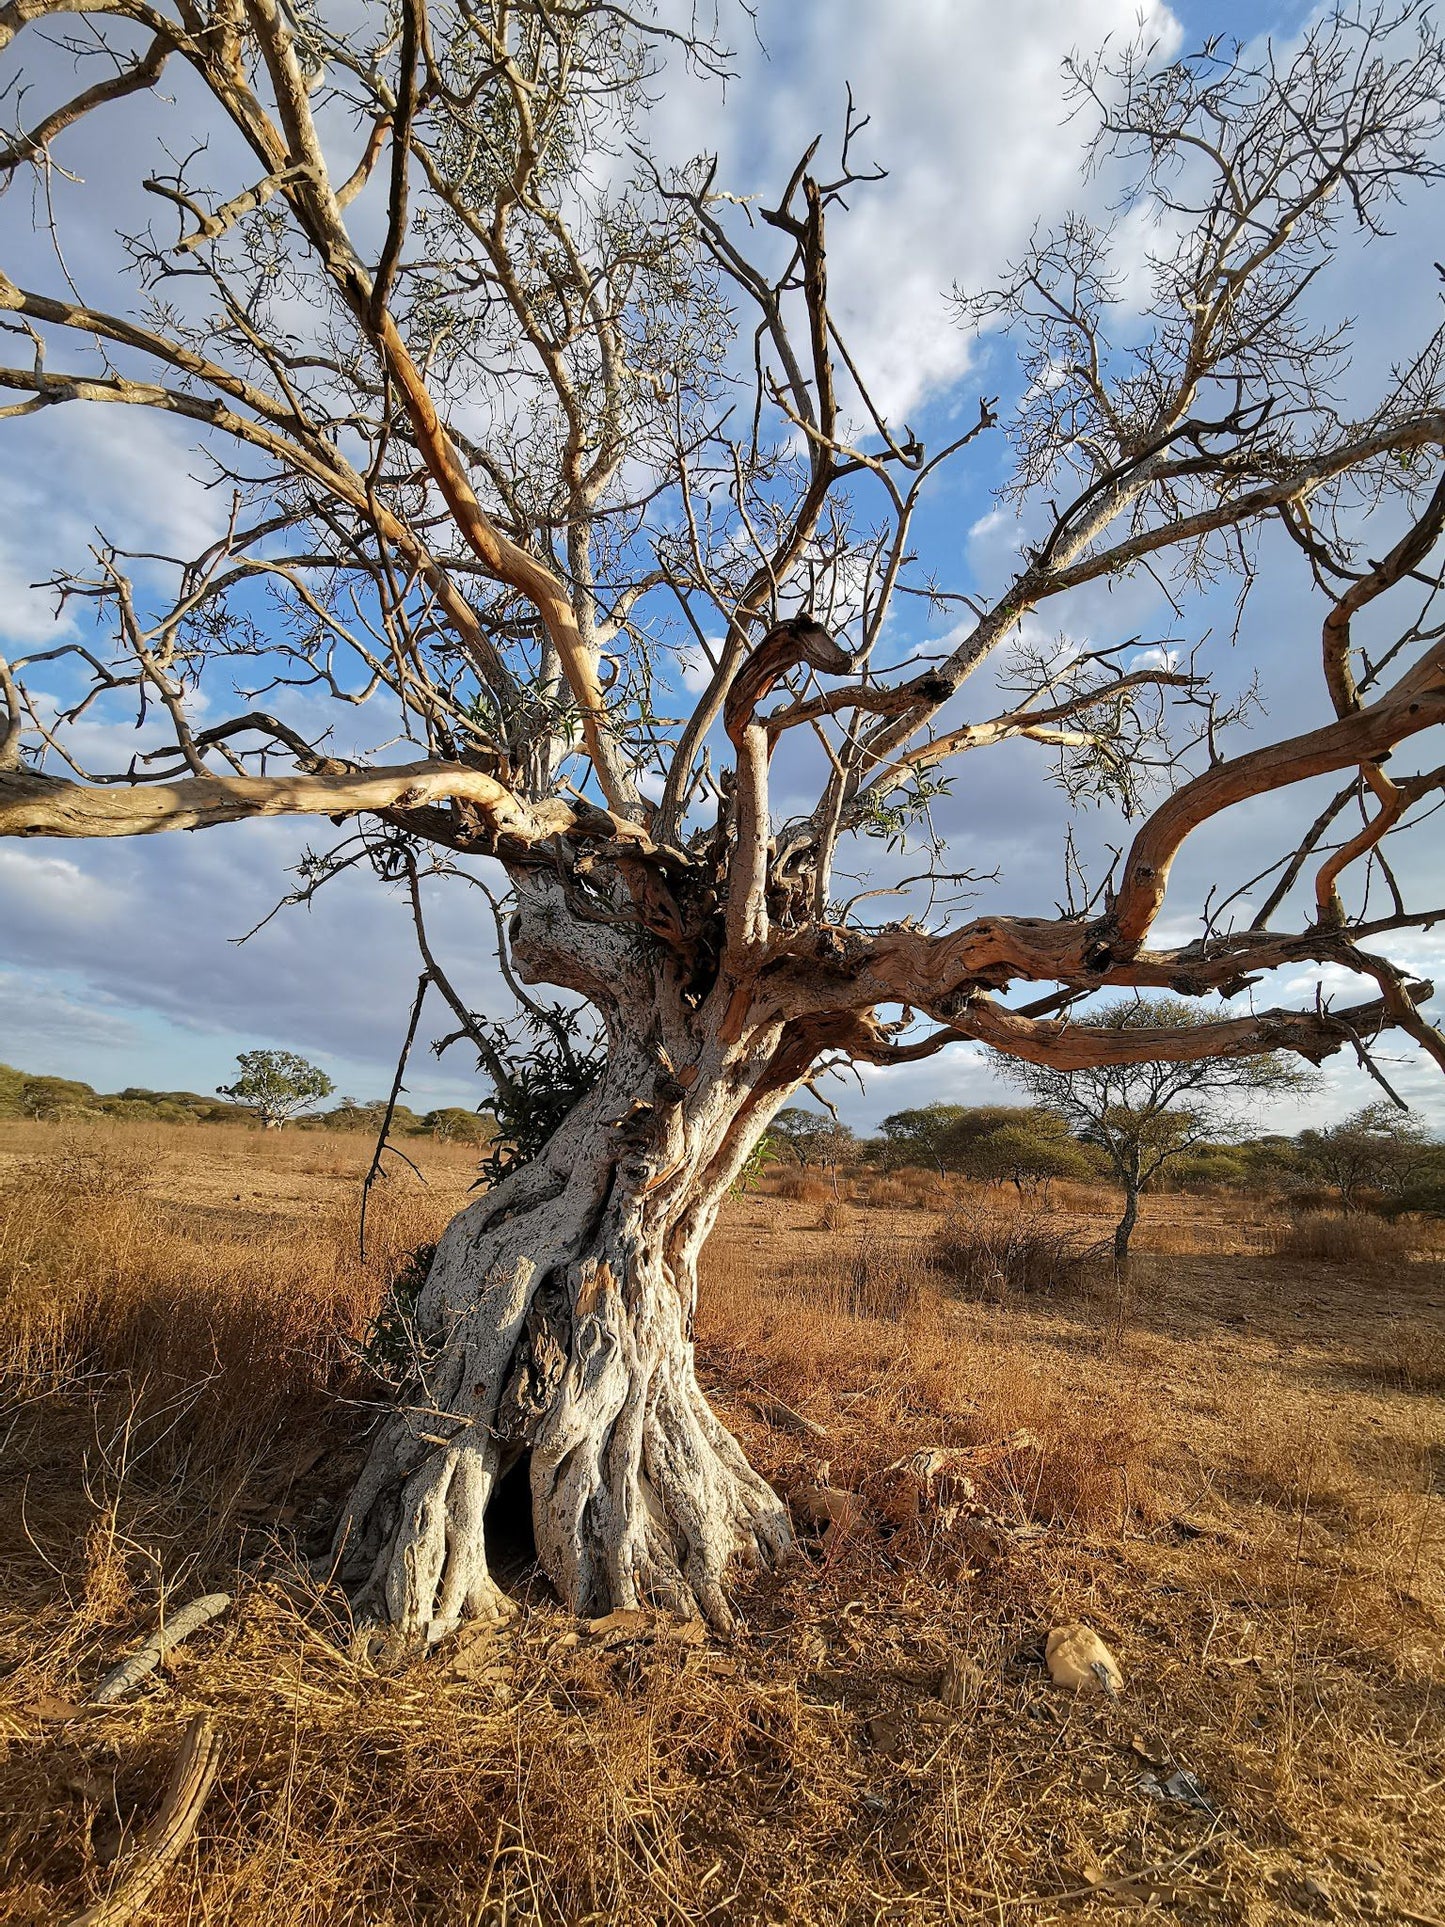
x=1241, y=1501
x=786, y=1417
x=128, y=1675
x=160, y=1845
x=943, y=1479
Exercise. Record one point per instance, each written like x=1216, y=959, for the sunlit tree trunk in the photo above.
x=581, y=320
x=556, y=1326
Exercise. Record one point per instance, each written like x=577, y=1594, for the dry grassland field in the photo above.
x=1245, y=1498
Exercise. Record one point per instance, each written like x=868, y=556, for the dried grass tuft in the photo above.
x=221, y=1327
x=1328, y=1238
x=799, y=1188
x=1249, y=1521
x=834, y=1216
x=988, y=1254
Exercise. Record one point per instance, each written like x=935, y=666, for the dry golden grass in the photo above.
x=985, y=1253
x=1327, y=1238
x=800, y=1187
x=1246, y=1499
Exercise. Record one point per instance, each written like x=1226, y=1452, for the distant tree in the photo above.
x=351, y=1115
x=1271, y=1161
x=276, y=1085
x=814, y=1138
x=1147, y=1115
x=799, y=1134
x=920, y=1136
x=1425, y=1193
x=792, y=1132
x=455, y=1125
x=55, y=1097
x=833, y=1148
x=1022, y=1145
x=23, y=1094
x=1378, y=1148
x=998, y=1143
x=1219, y=1164
x=12, y=1091
x=405, y=1122
x=518, y=403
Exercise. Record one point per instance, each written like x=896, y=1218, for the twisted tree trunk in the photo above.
x=556, y=1324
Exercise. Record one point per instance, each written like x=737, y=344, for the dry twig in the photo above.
x=128, y=1675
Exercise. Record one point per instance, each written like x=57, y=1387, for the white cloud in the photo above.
x=966, y=110
x=40, y=884
x=75, y=475
x=968, y=116
x=992, y=524
x=696, y=670
x=28, y=619
x=146, y=928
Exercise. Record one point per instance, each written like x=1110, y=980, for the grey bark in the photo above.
x=556, y=1323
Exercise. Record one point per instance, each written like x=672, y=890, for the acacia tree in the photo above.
x=494, y=466
x=922, y=1133
x=813, y=1137
x=1027, y=1147
x=454, y=1125
x=276, y=1085
x=1378, y=1148
x=1147, y=1116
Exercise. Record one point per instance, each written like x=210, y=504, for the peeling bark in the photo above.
x=556, y=1323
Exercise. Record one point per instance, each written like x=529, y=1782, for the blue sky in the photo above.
x=118, y=961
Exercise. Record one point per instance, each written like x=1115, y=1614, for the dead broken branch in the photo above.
x=128, y=1675
x=160, y=1845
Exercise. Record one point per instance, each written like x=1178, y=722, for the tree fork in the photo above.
x=420, y=564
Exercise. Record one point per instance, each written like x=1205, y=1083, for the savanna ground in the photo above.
x=1246, y=1498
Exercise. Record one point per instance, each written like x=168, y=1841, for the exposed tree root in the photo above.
x=555, y=1323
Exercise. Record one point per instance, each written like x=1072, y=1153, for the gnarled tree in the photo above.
x=539, y=445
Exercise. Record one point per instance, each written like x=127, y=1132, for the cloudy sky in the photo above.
x=119, y=962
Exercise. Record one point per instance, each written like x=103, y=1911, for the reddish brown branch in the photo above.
x=1417, y=702
x=1066, y=1046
